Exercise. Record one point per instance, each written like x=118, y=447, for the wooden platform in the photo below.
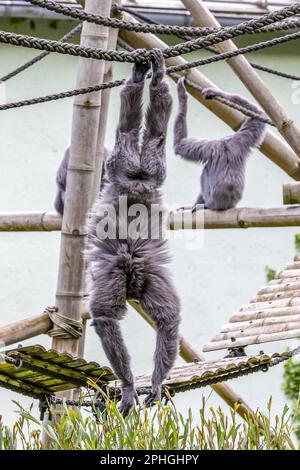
x=272, y=315
x=42, y=373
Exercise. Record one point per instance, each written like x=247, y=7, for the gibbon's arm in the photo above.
x=189, y=148
x=252, y=130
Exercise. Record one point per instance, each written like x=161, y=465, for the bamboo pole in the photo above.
x=276, y=296
x=280, y=287
x=278, y=303
x=25, y=329
x=250, y=78
x=291, y=193
x=295, y=265
x=260, y=330
x=273, y=147
x=105, y=97
x=80, y=179
x=240, y=217
x=251, y=324
x=284, y=280
x=288, y=274
x=190, y=354
x=267, y=313
x=247, y=340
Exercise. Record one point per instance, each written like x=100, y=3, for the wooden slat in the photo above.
x=288, y=273
x=280, y=287
x=278, y=281
x=236, y=326
x=267, y=313
x=279, y=303
x=276, y=296
x=268, y=329
x=247, y=340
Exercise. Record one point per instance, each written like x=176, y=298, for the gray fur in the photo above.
x=223, y=175
x=127, y=268
x=61, y=180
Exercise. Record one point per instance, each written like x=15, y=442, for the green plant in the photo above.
x=160, y=428
x=270, y=273
x=291, y=387
x=297, y=241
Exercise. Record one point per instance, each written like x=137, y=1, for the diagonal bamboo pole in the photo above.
x=273, y=147
x=190, y=354
x=250, y=78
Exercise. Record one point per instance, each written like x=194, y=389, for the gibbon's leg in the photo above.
x=125, y=154
x=153, y=157
x=189, y=148
x=161, y=302
x=107, y=307
x=199, y=202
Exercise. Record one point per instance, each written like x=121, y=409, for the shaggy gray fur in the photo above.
x=223, y=176
x=127, y=268
x=61, y=180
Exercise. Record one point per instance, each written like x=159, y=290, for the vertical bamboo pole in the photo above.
x=105, y=96
x=273, y=147
x=242, y=68
x=80, y=179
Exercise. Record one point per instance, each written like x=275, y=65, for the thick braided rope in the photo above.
x=120, y=24
x=140, y=55
x=117, y=83
x=236, y=52
x=284, y=25
x=41, y=56
x=137, y=55
x=137, y=27
x=63, y=327
x=62, y=95
x=226, y=101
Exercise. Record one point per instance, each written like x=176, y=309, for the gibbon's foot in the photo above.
x=182, y=94
x=158, y=66
x=198, y=207
x=184, y=208
x=153, y=397
x=129, y=396
x=210, y=93
x=139, y=71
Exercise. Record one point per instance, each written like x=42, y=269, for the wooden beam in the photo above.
x=80, y=191
x=249, y=77
x=240, y=217
x=273, y=147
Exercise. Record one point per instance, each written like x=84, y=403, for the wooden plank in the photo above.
x=267, y=329
x=289, y=294
x=282, y=286
x=286, y=302
x=236, y=326
x=273, y=312
x=247, y=340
